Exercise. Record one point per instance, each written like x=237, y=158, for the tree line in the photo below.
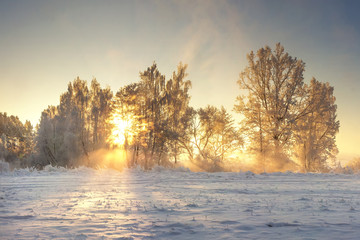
x=286, y=124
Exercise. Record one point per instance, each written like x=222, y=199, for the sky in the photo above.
x=46, y=44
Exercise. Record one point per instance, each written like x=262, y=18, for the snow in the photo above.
x=176, y=204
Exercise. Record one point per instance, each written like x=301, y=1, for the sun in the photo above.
x=121, y=130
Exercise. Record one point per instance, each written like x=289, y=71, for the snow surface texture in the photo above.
x=177, y=204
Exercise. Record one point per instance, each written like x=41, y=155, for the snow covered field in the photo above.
x=177, y=204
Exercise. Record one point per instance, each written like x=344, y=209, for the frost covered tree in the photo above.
x=100, y=109
x=274, y=82
x=68, y=132
x=157, y=108
x=316, y=130
x=151, y=98
x=354, y=165
x=177, y=103
x=47, y=140
x=213, y=138
x=127, y=105
x=16, y=139
x=284, y=118
x=95, y=93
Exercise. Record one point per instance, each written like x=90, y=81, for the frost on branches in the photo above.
x=284, y=118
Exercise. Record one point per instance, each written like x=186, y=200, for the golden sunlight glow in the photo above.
x=121, y=133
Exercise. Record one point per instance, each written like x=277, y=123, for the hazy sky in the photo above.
x=46, y=44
